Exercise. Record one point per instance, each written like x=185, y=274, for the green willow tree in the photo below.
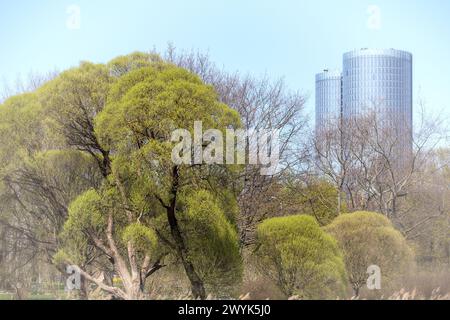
x=300, y=257
x=150, y=208
x=71, y=101
x=39, y=177
x=369, y=238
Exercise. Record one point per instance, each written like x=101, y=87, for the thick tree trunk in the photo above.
x=197, y=286
x=136, y=291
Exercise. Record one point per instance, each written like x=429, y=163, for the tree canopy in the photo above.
x=149, y=208
x=369, y=238
x=300, y=257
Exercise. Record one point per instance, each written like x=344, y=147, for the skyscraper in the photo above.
x=373, y=81
x=328, y=98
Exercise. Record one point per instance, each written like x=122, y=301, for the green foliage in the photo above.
x=88, y=81
x=70, y=171
x=61, y=258
x=303, y=260
x=213, y=245
x=94, y=144
x=316, y=197
x=142, y=237
x=368, y=238
x=41, y=174
x=21, y=128
x=86, y=217
x=228, y=203
x=154, y=103
x=145, y=102
x=86, y=212
x=71, y=102
x=136, y=60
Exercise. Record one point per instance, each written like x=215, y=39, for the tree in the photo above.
x=426, y=220
x=372, y=162
x=91, y=224
x=368, y=238
x=311, y=196
x=332, y=158
x=37, y=181
x=32, y=82
x=300, y=257
x=262, y=103
x=146, y=189
x=72, y=101
x=213, y=243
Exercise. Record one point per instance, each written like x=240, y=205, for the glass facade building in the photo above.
x=328, y=98
x=378, y=81
x=374, y=81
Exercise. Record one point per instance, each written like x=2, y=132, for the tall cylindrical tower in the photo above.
x=328, y=99
x=379, y=82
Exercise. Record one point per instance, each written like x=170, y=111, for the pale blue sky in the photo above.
x=294, y=39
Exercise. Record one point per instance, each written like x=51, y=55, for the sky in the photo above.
x=293, y=39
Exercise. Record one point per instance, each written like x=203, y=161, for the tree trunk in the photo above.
x=106, y=163
x=356, y=292
x=197, y=286
x=84, y=289
x=136, y=292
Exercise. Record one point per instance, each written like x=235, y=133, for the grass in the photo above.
x=6, y=296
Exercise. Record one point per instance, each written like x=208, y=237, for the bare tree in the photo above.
x=33, y=81
x=375, y=161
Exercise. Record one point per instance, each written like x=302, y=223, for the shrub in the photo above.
x=300, y=257
x=369, y=238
